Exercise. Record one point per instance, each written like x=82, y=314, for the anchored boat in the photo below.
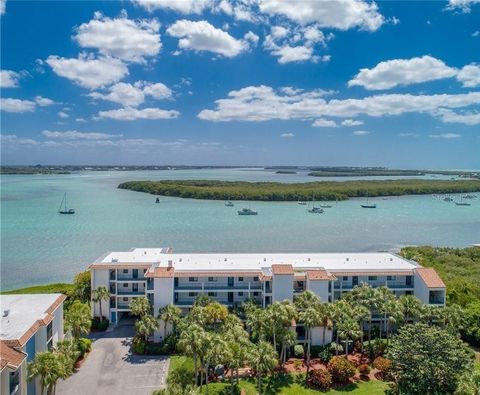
x=247, y=211
x=64, y=209
x=369, y=205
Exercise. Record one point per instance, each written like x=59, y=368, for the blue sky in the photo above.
x=241, y=82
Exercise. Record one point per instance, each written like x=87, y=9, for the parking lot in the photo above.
x=111, y=369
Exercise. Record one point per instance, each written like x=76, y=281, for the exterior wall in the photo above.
x=57, y=326
x=5, y=381
x=317, y=336
x=162, y=296
x=282, y=287
x=421, y=290
x=101, y=277
x=319, y=288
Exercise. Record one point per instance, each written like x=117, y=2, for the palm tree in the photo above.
x=169, y=313
x=348, y=329
x=49, y=367
x=361, y=313
x=325, y=319
x=452, y=318
x=366, y=296
x=263, y=359
x=98, y=295
x=146, y=325
x=77, y=319
x=191, y=341
x=310, y=318
x=384, y=297
x=341, y=310
x=68, y=351
x=215, y=314
x=411, y=307
x=217, y=352
x=394, y=314
x=305, y=300
x=140, y=306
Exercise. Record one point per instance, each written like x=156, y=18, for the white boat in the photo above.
x=315, y=210
x=368, y=205
x=228, y=203
x=64, y=209
x=247, y=211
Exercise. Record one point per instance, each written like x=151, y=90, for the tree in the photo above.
x=68, y=351
x=348, y=329
x=263, y=359
x=215, y=314
x=427, y=359
x=77, y=319
x=203, y=300
x=216, y=353
x=364, y=295
x=410, y=306
x=146, y=326
x=140, y=307
x=471, y=330
x=82, y=286
x=469, y=384
x=191, y=342
x=169, y=313
x=49, y=366
x=98, y=295
x=325, y=318
x=385, y=298
x=310, y=318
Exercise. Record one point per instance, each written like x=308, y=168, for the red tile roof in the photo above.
x=282, y=269
x=161, y=272
x=430, y=277
x=319, y=274
x=9, y=357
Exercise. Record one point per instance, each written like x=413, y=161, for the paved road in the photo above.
x=111, y=370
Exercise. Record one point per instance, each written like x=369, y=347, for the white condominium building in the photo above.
x=166, y=278
x=30, y=324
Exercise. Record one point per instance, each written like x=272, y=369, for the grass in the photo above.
x=63, y=288
x=291, y=384
x=276, y=191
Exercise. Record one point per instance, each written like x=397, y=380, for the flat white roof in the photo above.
x=24, y=311
x=258, y=261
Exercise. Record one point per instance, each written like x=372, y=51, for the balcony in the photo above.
x=216, y=287
x=191, y=302
x=130, y=277
x=123, y=306
x=436, y=301
x=140, y=292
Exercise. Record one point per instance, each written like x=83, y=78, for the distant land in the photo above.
x=276, y=191
x=314, y=171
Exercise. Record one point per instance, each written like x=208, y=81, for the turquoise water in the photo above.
x=40, y=246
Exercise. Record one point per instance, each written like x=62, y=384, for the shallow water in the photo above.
x=41, y=246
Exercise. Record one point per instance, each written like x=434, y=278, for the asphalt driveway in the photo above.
x=111, y=369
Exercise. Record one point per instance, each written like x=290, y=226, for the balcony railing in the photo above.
x=140, y=292
x=387, y=284
x=214, y=287
x=130, y=277
x=191, y=302
x=123, y=306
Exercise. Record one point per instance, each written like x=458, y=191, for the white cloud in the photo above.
x=351, y=122
x=286, y=135
x=12, y=139
x=88, y=71
x=63, y=114
x=43, y=101
x=83, y=120
x=464, y=6
x=263, y=103
x=476, y=33
x=202, y=36
x=17, y=105
x=392, y=73
x=9, y=79
x=407, y=134
x=75, y=135
x=324, y=123
x=133, y=95
x=467, y=118
x=130, y=114
x=181, y=6
x=3, y=6
x=360, y=133
x=338, y=14
x=469, y=75
x=122, y=38
x=287, y=54
x=445, y=136
x=252, y=37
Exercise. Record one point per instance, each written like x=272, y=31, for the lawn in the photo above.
x=63, y=288
x=288, y=384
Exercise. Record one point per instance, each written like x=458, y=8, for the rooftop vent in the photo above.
x=348, y=259
x=225, y=259
x=114, y=260
x=6, y=312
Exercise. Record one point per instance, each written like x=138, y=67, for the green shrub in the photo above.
x=98, y=325
x=298, y=351
x=320, y=378
x=325, y=355
x=341, y=369
x=138, y=345
x=84, y=346
x=334, y=347
x=364, y=369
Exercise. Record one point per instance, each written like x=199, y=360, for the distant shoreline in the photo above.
x=276, y=191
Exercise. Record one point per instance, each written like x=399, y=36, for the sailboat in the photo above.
x=315, y=210
x=64, y=209
x=157, y=200
x=229, y=203
x=462, y=203
x=369, y=205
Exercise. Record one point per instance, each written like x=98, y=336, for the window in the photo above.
x=240, y=294
x=345, y=278
x=192, y=294
x=14, y=381
x=49, y=335
x=125, y=271
x=125, y=299
x=372, y=278
x=255, y=294
x=125, y=285
x=391, y=278
x=193, y=279
x=212, y=279
x=240, y=279
x=408, y=292
x=256, y=278
x=213, y=294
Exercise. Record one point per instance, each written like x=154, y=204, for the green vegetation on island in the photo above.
x=62, y=288
x=382, y=171
x=285, y=172
x=276, y=191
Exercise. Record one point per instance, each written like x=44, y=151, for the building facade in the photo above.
x=30, y=324
x=166, y=278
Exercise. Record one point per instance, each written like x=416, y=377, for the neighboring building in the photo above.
x=29, y=324
x=164, y=277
